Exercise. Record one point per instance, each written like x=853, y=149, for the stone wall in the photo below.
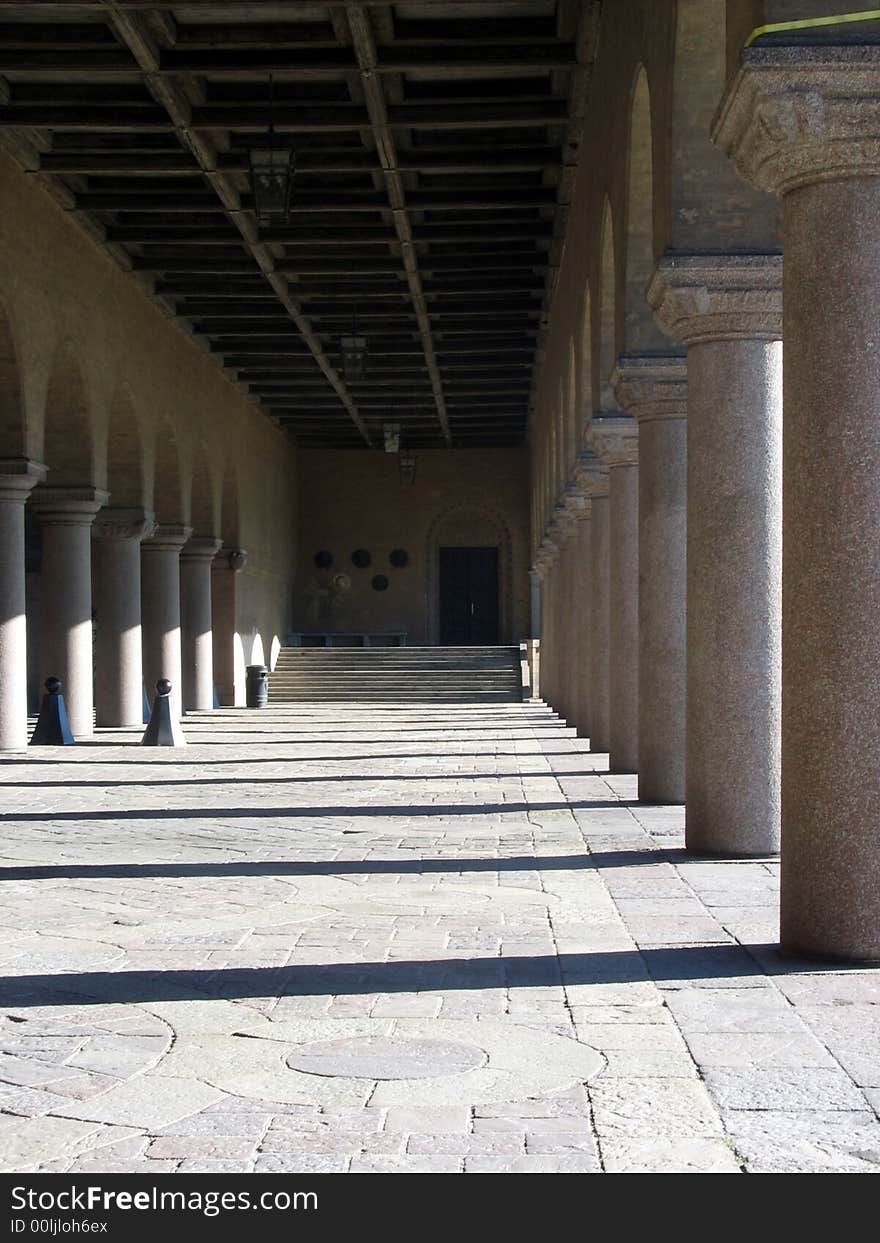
x=102, y=386
x=355, y=500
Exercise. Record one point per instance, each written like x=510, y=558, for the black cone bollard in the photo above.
x=52, y=729
x=164, y=728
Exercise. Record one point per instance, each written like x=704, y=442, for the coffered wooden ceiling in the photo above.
x=435, y=148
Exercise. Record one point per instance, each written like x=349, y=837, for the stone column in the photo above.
x=600, y=656
x=549, y=560
x=66, y=649
x=805, y=122
x=567, y=522
x=727, y=311
x=224, y=576
x=195, y=614
x=654, y=390
x=577, y=513
x=119, y=679
x=616, y=441
x=160, y=594
x=535, y=602
x=17, y=477
x=583, y=651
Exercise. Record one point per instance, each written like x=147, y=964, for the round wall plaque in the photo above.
x=399, y=557
x=323, y=559
x=380, y=583
x=361, y=558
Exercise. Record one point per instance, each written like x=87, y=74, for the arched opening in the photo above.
x=228, y=658
x=67, y=429
x=125, y=454
x=607, y=313
x=203, y=517
x=229, y=508
x=470, y=578
x=641, y=333
x=167, y=495
x=585, y=386
x=12, y=418
x=571, y=404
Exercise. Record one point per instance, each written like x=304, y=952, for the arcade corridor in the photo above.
x=402, y=939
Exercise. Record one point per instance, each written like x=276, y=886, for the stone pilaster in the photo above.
x=117, y=535
x=160, y=593
x=196, y=559
x=616, y=441
x=18, y=476
x=805, y=123
x=66, y=516
x=727, y=311
x=654, y=390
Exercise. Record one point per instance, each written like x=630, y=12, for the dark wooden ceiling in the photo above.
x=435, y=147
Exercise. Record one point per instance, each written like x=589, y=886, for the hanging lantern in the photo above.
x=272, y=170
x=354, y=359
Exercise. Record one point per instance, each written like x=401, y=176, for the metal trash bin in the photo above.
x=257, y=691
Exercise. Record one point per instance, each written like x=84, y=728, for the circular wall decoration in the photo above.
x=361, y=558
x=341, y=582
x=323, y=559
x=399, y=557
x=380, y=583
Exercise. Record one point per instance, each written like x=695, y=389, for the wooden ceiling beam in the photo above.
x=364, y=46
x=137, y=36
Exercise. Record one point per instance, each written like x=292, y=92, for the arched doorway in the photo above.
x=469, y=578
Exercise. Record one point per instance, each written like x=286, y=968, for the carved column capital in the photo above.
x=68, y=506
x=201, y=548
x=18, y=477
x=167, y=538
x=794, y=116
x=615, y=438
x=651, y=387
x=116, y=522
x=700, y=298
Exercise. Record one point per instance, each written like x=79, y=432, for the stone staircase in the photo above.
x=397, y=674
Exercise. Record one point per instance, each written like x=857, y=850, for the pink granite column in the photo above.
x=805, y=122
x=654, y=390
x=727, y=311
x=197, y=652
x=17, y=477
x=600, y=551
x=66, y=650
x=160, y=592
x=119, y=679
x=615, y=439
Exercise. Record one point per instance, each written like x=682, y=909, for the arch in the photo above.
x=68, y=443
x=470, y=525
x=203, y=516
x=571, y=405
x=125, y=453
x=641, y=333
x=229, y=507
x=607, y=311
x=561, y=439
x=13, y=438
x=585, y=379
x=167, y=490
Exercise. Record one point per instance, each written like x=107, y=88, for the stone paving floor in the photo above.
x=392, y=938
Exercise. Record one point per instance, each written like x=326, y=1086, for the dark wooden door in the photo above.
x=468, y=596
